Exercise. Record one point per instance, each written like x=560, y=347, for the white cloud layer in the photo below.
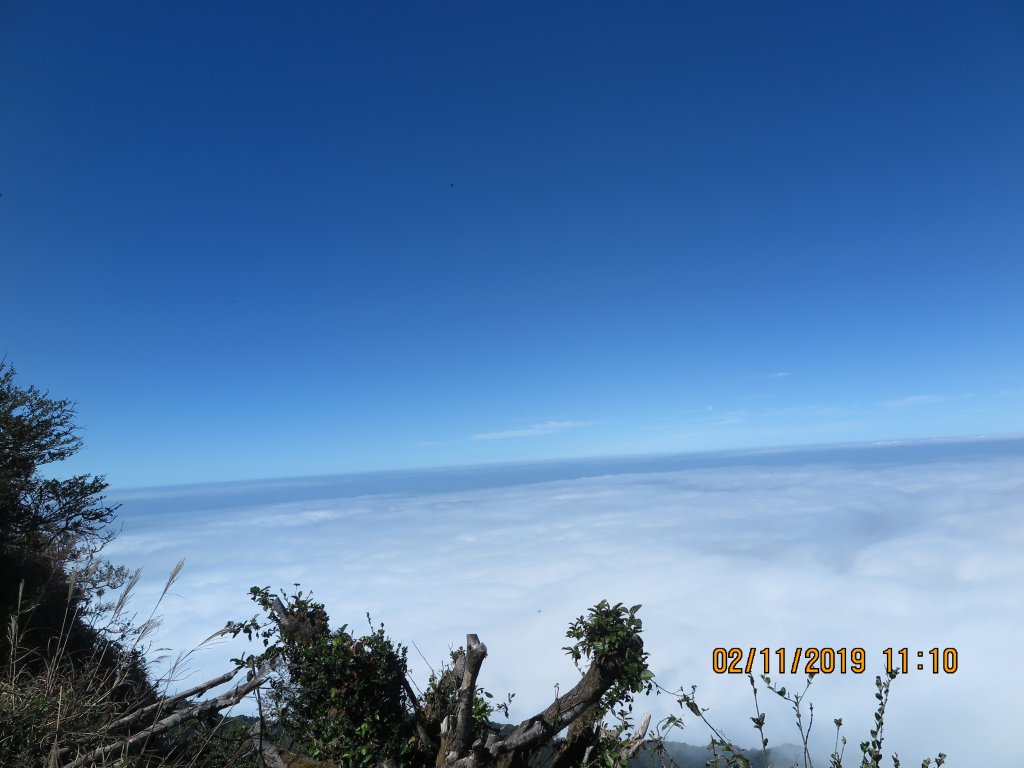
x=840, y=554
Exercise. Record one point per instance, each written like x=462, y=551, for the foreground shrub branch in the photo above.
x=175, y=718
x=333, y=690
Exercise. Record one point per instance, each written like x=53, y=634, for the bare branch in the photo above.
x=228, y=699
x=565, y=709
x=631, y=747
x=265, y=747
x=164, y=704
x=475, y=654
x=419, y=717
x=170, y=701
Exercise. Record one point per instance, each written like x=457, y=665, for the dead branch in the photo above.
x=419, y=717
x=264, y=747
x=227, y=699
x=565, y=709
x=163, y=704
x=631, y=747
x=169, y=701
x=475, y=654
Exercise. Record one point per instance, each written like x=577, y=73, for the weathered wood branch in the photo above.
x=580, y=739
x=566, y=709
x=265, y=748
x=475, y=654
x=169, y=701
x=419, y=718
x=281, y=612
x=304, y=627
x=227, y=699
x=165, y=703
x=577, y=705
x=631, y=747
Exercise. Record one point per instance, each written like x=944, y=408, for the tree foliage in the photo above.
x=48, y=527
x=346, y=700
x=339, y=697
x=60, y=663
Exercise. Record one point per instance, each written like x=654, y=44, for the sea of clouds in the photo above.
x=860, y=548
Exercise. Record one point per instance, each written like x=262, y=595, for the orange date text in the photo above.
x=809, y=661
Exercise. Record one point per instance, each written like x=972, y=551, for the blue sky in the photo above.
x=267, y=240
x=273, y=240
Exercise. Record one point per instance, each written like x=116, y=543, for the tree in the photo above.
x=49, y=528
x=70, y=665
x=346, y=700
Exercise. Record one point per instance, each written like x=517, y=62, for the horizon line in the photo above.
x=441, y=468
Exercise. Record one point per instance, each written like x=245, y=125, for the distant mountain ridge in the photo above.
x=685, y=755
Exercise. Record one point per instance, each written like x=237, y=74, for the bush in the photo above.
x=339, y=697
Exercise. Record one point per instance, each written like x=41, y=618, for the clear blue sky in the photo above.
x=268, y=239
